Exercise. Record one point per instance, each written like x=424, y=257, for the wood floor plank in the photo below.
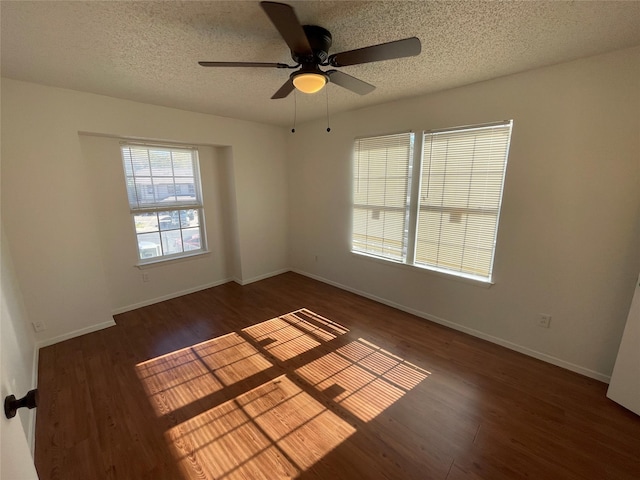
x=292, y=378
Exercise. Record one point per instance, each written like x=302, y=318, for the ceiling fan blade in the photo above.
x=408, y=47
x=350, y=83
x=243, y=64
x=286, y=22
x=284, y=90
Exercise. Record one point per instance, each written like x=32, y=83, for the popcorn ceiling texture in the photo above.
x=148, y=51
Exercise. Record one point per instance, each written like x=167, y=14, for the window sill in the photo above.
x=447, y=275
x=167, y=260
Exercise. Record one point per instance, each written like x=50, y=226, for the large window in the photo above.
x=163, y=186
x=444, y=219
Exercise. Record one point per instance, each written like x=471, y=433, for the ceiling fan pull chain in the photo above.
x=326, y=90
x=295, y=111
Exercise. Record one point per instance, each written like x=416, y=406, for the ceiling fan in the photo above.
x=309, y=45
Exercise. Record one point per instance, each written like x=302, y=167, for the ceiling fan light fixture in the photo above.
x=309, y=82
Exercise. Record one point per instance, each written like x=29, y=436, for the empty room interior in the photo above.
x=320, y=240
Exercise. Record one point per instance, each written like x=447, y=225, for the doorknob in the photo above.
x=11, y=405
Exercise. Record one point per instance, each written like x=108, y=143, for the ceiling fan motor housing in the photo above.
x=320, y=42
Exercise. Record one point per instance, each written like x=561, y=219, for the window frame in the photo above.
x=414, y=188
x=174, y=209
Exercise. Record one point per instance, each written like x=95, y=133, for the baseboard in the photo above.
x=76, y=333
x=475, y=333
x=169, y=296
x=261, y=277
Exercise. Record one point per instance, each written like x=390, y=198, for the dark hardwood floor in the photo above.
x=292, y=378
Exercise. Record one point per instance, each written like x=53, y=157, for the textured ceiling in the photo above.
x=148, y=51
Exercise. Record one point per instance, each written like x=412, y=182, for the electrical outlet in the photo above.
x=145, y=277
x=544, y=320
x=38, y=326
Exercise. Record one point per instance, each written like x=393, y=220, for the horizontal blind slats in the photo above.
x=161, y=177
x=462, y=180
x=380, y=189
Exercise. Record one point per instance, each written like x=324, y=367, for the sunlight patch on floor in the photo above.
x=271, y=400
x=291, y=335
x=180, y=378
x=273, y=431
x=366, y=379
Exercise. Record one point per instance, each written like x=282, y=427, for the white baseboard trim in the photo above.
x=475, y=333
x=146, y=303
x=76, y=333
x=261, y=277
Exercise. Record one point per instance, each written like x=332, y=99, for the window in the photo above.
x=448, y=221
x=167, y=223
x=380, y=195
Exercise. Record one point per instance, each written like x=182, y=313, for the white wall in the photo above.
x=70, y=263
x=570, y=226
x=17, y=371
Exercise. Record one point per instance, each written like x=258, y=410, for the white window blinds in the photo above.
x=161, y=177
x=459, y=200
x=382, y=167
